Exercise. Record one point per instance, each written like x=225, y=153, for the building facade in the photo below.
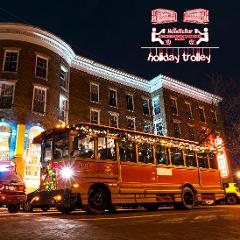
x=43, y=83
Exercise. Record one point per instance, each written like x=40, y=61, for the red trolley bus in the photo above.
x=96, y=167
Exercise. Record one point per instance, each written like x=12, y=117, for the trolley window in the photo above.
x=190, y=158
x=145, y=153
x=106, y=148
x=161, y=154
x=202, y=160
x=83, y=146
x=127, y=151
x=177, y=156
x=213, y=160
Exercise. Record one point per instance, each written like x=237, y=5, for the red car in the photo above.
x=12, y=187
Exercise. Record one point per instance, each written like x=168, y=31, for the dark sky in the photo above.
x=112, y=32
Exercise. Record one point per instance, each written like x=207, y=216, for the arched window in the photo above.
x=5, y=135
x=33, y=154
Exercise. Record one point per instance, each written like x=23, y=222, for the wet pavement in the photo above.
x=216, y=222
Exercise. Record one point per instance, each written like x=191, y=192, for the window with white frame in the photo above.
x=158, y=127
x=113, y=119
x=63, y=79
x=6, y=94
x=94, y=92
x=10, y=63
x=173, y=105
x=129, y=100
x=112, y=97
x=156, y=105
x=214, y=117
x=146, y=106
x=39, y=99
x=95, y=116
x=147, y=127
x=41, y=68
x=177, y=129
x=202, y=114
x=63, y=109
x=189, y=110
x=131, y=123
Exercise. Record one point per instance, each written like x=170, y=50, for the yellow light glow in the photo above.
x=238, y=174
x=75, y=185
x=58, y=197
x=36, y=199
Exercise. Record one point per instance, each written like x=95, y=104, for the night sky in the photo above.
x=113, y=32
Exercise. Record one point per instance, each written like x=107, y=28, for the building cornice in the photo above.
x=162, y=81
x=26, y=33
x=112, y=74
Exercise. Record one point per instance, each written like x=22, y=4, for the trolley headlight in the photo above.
x=67, y=172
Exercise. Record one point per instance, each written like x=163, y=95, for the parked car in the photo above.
x=38, y=199
x=12, y=187
x=232, y=193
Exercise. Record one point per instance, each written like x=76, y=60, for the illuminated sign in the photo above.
x=190, y=39
x=199, y=16
x=221, y=157
x=160, y=16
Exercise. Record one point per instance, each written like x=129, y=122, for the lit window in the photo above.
x=177, y=129
x=131, y=123
x=63, y=109
x=5, y=135
x=202, y=114
x=39, y=99
x=156, y=105
x=158, y=128
x=106, y=148
x=214, y=117
x=146, y=106
x=112, y=96
x=94, y=92
x=10, y=61
x=113, y=120
x=95, y=116
x=63, y=80
x=129, y=99
x=33, y=154
x=189, y=111
x=173, y=104
x=41, y=67
x=6, y=94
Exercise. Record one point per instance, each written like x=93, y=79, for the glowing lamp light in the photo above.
x=67, y=172
x=238, y=174
x=4, y=168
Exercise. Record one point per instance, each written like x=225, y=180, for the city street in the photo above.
x=217, y=222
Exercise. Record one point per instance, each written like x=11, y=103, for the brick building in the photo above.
x=44, y=83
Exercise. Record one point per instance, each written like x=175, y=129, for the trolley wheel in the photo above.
x=65, y=209
x=188, y=199
x=97, y=201
x=151, y=206
x=45, y=209
x=13, y=208
x=231, y=199
x=27, y=207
